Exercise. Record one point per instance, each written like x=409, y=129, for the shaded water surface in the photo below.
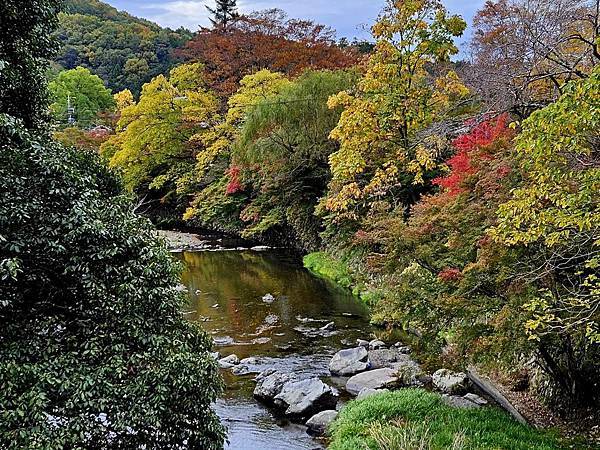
x=226, y=294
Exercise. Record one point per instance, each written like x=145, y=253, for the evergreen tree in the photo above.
x=224, y=13
x=94, y=350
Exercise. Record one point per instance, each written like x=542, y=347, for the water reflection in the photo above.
x=226, y=295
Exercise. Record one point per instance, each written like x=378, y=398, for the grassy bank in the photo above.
x=416, y=419
x=339, y=271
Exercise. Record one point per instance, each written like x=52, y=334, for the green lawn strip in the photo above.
x=415, y=418
x=323, y=265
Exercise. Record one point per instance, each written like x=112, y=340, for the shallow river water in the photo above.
x=226, y=294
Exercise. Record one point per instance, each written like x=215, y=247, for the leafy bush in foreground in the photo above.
x=94, y=352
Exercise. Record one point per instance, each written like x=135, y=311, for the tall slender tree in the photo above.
x=223, y=13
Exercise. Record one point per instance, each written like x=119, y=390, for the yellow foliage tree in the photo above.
x=155, y=144
x=398, y=96
x=123, y=99
x=218, y=141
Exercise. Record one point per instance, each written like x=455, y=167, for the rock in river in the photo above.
x=374, y=379
x=450, y=382
x=349, y=362
x=268, y=298
x=269, y=384
x=229, y=361
x=302, y=398
x=368, y=392
x=318, y=423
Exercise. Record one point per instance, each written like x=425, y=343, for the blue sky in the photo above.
x=349, y=17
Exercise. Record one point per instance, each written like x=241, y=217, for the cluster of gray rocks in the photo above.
x=368, y=369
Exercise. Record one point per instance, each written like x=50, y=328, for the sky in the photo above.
x=350, y=18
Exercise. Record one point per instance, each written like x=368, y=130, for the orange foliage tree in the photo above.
x=265, y=40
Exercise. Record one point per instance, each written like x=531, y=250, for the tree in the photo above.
x=155, y=142
x=22, y=60
x=80, y=89
x=94, y=351
x=525, y=51
x=210, y=185
x=399, y=96
x=224, y=13
x=555, y=214
x=282, y=157
x=265, y=40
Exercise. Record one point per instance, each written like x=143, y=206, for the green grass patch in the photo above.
x=324, y=266
x=415, y=419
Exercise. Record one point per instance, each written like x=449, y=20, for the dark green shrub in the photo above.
x=94, y=352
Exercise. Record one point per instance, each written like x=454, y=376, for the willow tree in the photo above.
x=403, y=91
x=283, y=153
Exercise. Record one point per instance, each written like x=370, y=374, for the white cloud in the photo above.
x=174, y=14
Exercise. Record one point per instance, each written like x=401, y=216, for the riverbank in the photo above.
x=576, y=423
x=259, y=340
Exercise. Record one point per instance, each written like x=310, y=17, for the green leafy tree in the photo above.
x=224, y=12
x=555, y=215
x=24, y=46
x=94, y=351
x=283, y=153
x=81, y=90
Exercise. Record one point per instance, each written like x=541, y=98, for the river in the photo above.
x=226, y=290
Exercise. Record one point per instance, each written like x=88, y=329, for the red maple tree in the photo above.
x=461, y=164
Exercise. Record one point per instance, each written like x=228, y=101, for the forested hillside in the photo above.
x=123, y=50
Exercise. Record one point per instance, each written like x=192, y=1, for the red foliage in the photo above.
x=235, y=185
x=265, y=40
x=461, y=164
x=450, y=275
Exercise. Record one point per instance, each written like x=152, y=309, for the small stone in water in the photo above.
x=268, y=298
x=329, y=327
x=271, y=319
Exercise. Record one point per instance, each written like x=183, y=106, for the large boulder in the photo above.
x=302, y=398
x=349, y=362
x=269, y=384
x=409, y=372
x=374, y=379
x=317, y=424
x=449, y=382
x=385, y=357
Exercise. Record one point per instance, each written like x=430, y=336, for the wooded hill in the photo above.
x=123, y=50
